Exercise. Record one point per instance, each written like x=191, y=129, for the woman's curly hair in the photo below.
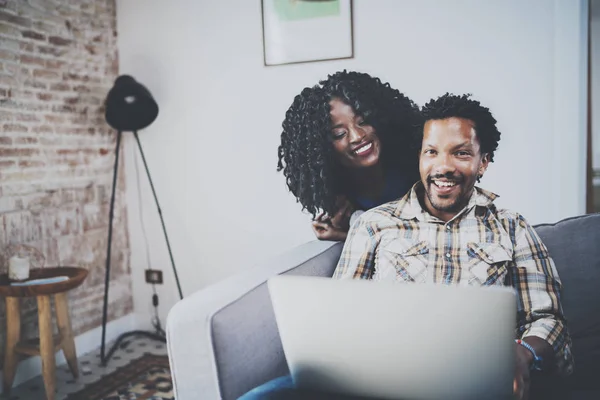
x=306, y=156
x=462, y=106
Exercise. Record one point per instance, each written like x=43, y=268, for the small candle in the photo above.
x=18, y=268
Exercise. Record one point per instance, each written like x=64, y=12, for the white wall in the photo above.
x=212, y=149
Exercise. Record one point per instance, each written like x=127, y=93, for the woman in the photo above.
x=346, y=146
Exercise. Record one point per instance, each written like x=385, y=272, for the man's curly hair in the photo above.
x=306, y=156
x=451, y=105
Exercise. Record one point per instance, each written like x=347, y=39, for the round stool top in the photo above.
x=76, y=276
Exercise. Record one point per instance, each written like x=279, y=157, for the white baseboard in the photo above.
x=84, y=343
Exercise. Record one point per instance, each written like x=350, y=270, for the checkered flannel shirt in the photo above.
x=481, y=245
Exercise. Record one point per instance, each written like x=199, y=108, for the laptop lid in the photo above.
x=396, y=341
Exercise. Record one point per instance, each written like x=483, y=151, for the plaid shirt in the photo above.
x=481, y=245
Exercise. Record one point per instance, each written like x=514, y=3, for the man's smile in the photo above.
x=443, y=187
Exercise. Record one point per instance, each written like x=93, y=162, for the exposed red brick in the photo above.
x=14, y=128
x=73, y=130
x=63, y=108
x=64, y=152
x=17, y=152
x=60, y=87
x=76, y=77
x=72, y=100
x=57, y=52
x=44, y=73
x=6, y=164
x=57, y=62
x=44, y=96
x=55, y=119
x=31, y=83
x=81, y=89
x=42, y=129
x=27, y=117
x=59, y=41
x=25, y=140
x=80, y=120
x=14, y=19
x=27, y=47
x=33, y=35
x=27, y=59
x=22, y=176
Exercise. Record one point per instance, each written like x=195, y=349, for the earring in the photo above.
x=479, y=176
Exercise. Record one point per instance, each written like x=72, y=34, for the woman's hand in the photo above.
x=324, y=229
x=336, y=227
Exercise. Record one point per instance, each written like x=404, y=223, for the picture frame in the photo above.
x=302, y=31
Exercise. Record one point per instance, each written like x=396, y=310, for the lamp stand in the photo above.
x=105, y=357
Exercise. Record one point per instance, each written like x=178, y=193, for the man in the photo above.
x=446, y=230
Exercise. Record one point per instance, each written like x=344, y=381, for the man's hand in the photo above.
x=523, y=359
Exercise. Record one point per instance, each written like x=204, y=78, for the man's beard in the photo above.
x=455, y=206
x=460, y=201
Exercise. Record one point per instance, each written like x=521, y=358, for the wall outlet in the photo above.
x=154, y=276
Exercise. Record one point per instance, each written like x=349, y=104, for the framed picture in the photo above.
x=299, y=31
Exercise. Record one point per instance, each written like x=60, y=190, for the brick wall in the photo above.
x=58, y=59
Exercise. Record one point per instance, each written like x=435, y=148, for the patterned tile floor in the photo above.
x=90, y=370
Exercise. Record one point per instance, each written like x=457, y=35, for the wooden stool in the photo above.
x=47, y=345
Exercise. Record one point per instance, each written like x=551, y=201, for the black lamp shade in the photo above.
x=129, y=105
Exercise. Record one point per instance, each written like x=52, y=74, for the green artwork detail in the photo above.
x=292, y=10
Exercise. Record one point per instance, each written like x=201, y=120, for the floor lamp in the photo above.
x=129, y=107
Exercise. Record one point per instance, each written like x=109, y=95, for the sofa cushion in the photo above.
x=574, y=244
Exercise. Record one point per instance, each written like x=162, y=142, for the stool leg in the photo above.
x=46, y=344
x=13, y=333
x=66, y=332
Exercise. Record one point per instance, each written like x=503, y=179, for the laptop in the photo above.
x=396, y=341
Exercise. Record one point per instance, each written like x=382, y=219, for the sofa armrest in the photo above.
x=223, y=340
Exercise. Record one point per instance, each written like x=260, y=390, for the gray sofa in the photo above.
x=223, y=340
